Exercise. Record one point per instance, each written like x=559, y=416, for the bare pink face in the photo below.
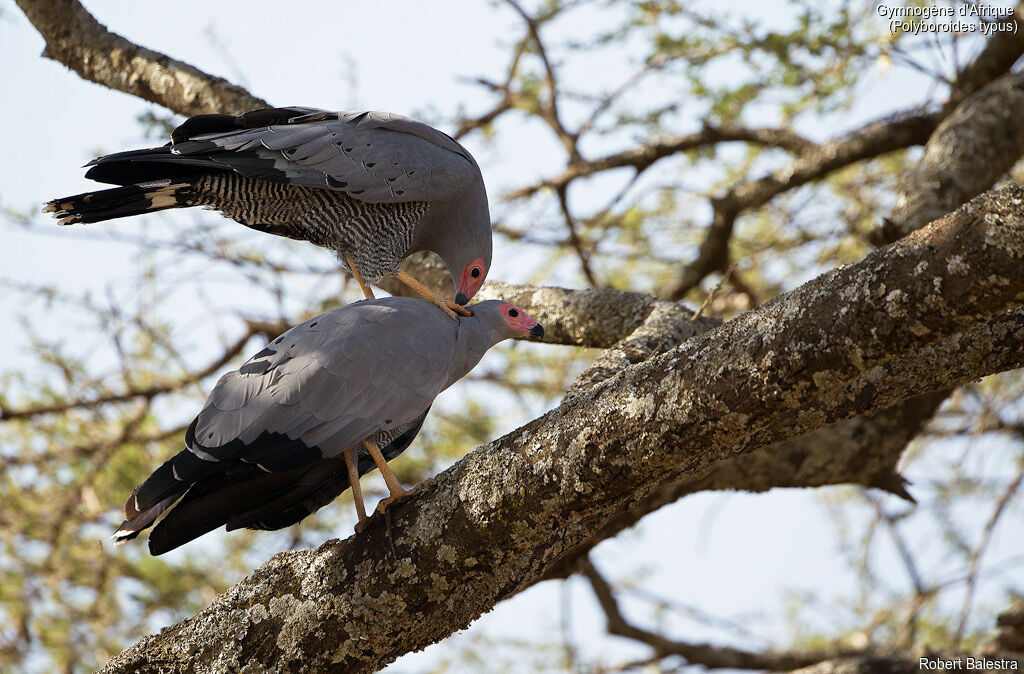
x=520, y=321
x=470, y=280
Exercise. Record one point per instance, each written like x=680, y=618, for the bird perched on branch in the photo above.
x=372, y=186
x=301, y=420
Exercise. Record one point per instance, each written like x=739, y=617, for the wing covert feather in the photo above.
x=376, y=157
x=337, y=378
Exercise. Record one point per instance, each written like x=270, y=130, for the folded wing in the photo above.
x=375, y=157
x=321, y=387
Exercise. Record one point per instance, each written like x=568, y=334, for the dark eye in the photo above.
x=513, y=313
x=475, y=273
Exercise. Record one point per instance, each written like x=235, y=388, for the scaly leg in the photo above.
x=447, y=306
x=367, y=290
x=394, y=486
x=357, y=491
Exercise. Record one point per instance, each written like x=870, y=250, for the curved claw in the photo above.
x=398, y=498
x=451, y=308
x=447, y=306
x=444, y=307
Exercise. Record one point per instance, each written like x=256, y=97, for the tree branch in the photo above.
x=1001, y=51
x=972, y=148
x=712, y=657
x=76, y=39
x=643, y=157
x=149, y=392
x=591, y=317
x=907, y=129
x=872, y=140
x=494, y=522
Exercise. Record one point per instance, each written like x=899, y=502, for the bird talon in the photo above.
x=391, y=500
x=451, y=308
x=405, y=495
x=444, y=307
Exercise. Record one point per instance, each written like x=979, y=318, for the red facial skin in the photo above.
x=469, y=284
x=517, y=319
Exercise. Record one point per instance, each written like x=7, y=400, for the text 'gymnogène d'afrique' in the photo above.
x=964, y=19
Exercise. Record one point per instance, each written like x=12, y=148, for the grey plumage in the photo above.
x=266, y=448
x=373, y=185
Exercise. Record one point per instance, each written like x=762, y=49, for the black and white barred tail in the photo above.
x=121, y=202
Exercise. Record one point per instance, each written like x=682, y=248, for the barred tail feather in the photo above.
x=134, y=526
x=168, y=483
x=120, y=202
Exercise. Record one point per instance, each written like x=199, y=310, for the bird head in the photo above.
x=470, y=279
x=461, y=235
x=506, y=320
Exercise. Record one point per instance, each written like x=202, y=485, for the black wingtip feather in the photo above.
x=290, y=482
x=119, y=202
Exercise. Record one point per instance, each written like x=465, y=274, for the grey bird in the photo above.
x=371, y=186
x=301, y=420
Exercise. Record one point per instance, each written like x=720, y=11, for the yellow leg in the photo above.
x=447, y=306
x=367, y=290
x=357, y=491
x=394, y=486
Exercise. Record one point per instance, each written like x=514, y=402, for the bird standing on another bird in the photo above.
x=372, y=186
x=299, y=422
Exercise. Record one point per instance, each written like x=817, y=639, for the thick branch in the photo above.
x=494, y=522
x=976, y=145
x=594, y=317
x=999, y=54
x=863, y=450
x=76, y=39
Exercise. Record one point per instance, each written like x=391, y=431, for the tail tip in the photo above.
x=62, y=212
x=124, y=534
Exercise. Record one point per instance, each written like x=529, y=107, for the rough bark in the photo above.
x=1001, y=51
x=592, y=317
x=497, y=520
x=76, y=39
x=972, y=148
x=985, y=131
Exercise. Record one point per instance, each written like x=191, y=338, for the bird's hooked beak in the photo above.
x=537, y=331
x=461, y=299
